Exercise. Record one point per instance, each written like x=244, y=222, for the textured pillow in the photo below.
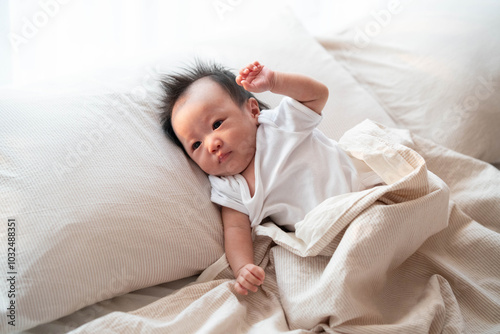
x=103, y=203
x=433, y=66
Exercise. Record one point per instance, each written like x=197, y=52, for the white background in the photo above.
x=45, y=39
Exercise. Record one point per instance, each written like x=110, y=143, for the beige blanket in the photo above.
x=418, y=255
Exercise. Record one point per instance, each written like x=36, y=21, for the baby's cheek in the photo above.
x=247, y=146
x=204, y=166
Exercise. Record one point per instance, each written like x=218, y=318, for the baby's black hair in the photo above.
x=176, y=84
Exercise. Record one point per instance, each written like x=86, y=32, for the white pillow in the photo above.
x=103, y=203
x=433, y=66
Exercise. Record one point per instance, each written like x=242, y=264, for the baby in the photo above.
x=261, y=162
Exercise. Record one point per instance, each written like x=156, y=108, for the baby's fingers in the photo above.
x=244, y=82
x=258, y=275
x=250, y=67
x=247, y=279
x=239, y=78
x=246, y=285
x=240, y=289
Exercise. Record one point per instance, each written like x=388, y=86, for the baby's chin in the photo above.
x=229, y=171
x=229, y=168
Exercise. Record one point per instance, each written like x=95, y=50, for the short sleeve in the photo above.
x=291, y=115
x=226, y=191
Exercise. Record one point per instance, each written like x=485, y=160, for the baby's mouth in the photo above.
x=223, y=157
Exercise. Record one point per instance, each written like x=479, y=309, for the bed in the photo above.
x=108, y=228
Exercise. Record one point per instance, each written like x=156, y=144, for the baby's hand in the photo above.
x=256, y=78
x=249, y=277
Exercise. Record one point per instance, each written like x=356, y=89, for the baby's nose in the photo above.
x=214, y=145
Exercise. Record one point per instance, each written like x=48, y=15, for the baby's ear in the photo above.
x=253, y=107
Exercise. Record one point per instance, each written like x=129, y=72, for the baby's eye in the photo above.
x=196, y=145
x=216, y=124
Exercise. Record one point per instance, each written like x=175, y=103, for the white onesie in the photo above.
x=296, y=168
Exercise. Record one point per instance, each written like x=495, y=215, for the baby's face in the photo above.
x=215, y=132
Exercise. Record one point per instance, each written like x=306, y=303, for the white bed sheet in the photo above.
x=124, y=303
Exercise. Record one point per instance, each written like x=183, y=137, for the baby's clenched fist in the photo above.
x=249, y=277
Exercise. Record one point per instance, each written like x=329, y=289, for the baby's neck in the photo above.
x=249, y=175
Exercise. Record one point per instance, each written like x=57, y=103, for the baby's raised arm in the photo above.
x=257, y=78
